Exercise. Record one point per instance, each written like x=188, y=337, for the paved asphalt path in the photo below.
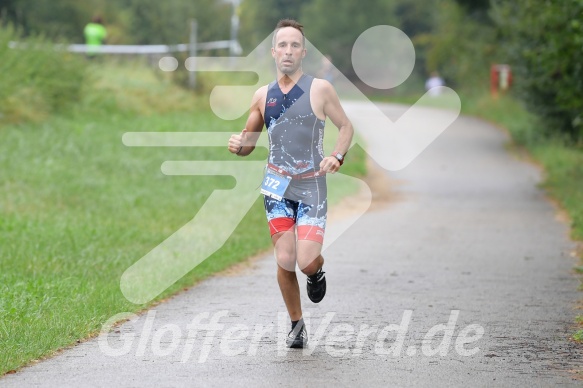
x=464, y=278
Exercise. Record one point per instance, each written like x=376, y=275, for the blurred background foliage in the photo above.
x=544, y=42
x=461, y=39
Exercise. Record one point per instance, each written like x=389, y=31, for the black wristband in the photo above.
x=338, y=156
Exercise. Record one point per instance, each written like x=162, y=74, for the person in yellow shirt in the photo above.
x=95, y=34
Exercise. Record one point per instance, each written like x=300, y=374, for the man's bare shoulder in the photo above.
x=260, y=95
x=323, y=87
x=259, y=100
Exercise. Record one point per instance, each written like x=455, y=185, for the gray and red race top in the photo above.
x=296, y=134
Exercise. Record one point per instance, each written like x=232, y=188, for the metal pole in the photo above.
x=234, y=46
x=192, y=54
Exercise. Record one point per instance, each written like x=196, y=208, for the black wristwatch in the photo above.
x=338, y=156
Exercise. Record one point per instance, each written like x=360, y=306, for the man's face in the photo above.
x=289, y=50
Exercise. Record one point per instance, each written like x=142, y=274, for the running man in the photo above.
x=294, y=109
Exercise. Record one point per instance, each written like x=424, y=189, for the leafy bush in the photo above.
x=36, y=80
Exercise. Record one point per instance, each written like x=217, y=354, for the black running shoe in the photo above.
x=317, y=286
x=297, y=338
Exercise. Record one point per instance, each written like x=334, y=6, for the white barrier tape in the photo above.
x=143, y=49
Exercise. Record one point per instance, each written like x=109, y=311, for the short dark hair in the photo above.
x=288, y=23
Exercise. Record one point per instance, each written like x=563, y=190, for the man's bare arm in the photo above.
x=244, y=143
x=335, y=112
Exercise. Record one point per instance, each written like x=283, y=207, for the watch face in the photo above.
x=339, y=156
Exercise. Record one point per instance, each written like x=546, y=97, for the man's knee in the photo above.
x=285, y=255
x=313, y=266
x=285, y=259
x=285, y=250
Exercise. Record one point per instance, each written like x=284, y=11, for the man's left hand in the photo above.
x=329, y=165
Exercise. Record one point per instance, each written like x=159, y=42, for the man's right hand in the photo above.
x=236, y=142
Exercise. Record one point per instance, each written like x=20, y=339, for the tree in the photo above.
x=334, y=26
x=543, y=42
x=460, y=48
x=129, y=21
x=63, y=18
x=167, y=22
x=417, y=19
x=477, y=9
x=259, y=18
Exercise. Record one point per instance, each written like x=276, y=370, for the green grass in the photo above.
x=564, y=168
x=578, y=335
x=79, y=207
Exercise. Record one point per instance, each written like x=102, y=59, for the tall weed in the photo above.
x=35, y=79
